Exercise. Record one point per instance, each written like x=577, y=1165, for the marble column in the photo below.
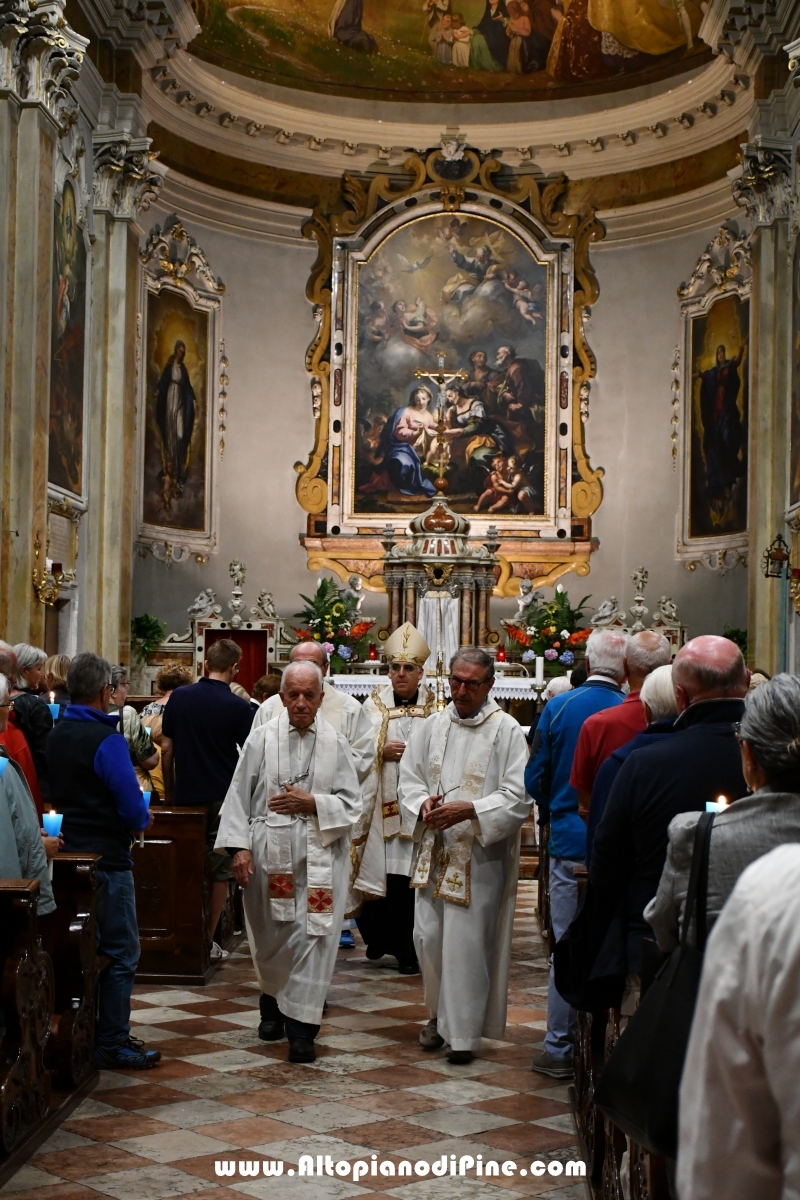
x=40, y=59
x=466, y=614
x=764, y=190
x=126, y=181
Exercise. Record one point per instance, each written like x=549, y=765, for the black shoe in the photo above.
x=460, y=1056
x=138, y=1045
x=125, y=1058
x=408, y=968
x=374, y=953
x=271, y=1031
x=301, y=1050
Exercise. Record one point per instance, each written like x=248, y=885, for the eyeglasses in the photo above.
x=737, y=731
x=8, y=704
x=469, y=685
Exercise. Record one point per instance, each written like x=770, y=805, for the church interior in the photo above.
x=418, y=374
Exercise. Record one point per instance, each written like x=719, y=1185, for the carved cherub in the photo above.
x=667, y=610
x=527, y=597
x=237, y=571
x=316, y=396
x=354, y=592
x=264, y=606
x=606, y=612
x=204, y=605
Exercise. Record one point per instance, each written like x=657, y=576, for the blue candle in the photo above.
x=55, y=709
x=52, y=823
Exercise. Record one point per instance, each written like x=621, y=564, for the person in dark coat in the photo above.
x=493, y=27
x=677, y=774
x=345, y=26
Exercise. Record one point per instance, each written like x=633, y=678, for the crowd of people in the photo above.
x=407, y=819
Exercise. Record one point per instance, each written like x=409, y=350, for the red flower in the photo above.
x=360, y=629
x=579, y=636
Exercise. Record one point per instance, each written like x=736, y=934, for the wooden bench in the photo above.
x=172, y=900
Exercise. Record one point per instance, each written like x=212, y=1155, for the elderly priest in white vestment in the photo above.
x=462, y=796
x=287, y=821
x=382, y=851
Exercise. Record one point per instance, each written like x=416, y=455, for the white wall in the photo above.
x=267, y=323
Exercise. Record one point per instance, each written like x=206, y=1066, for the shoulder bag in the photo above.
x=638, y=1087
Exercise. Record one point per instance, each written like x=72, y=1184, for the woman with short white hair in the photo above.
x=30, y=707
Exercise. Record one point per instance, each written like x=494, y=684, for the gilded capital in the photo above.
x=764, y=189
x=127, y=178
x=40, y=56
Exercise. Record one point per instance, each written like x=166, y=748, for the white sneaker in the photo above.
x=218, y=954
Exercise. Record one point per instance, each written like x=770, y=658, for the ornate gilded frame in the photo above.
x=519, y=202
x=723, y=269
x=172, y=261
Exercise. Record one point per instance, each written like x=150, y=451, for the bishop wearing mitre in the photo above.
x=286, y=821
x=382, y=851
x=463, y=799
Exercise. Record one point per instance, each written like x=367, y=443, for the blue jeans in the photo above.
x=561, y=1018
x=118, y=939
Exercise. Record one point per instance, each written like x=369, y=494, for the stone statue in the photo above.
x=204, y=606
x=316, y=397
x=354, y=593
x=666, y=611
x=265, y=606
x=607, y=613
x=237, y=572
x=527, y=597
x=452, y=145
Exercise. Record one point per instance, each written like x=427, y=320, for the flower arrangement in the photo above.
x=333, y=620
x=549, y=629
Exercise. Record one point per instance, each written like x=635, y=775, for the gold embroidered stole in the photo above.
x=454, y=844
x=389, y=772
x=319, y=858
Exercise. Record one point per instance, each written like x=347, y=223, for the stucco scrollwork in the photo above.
x=40, y=56
x=127, y=177
x=765, y=187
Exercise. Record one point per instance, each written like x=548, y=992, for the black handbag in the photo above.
x=638, y=1087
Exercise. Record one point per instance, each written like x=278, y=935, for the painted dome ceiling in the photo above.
x=462, y=51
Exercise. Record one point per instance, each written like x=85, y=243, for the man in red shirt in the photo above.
x=606, y=731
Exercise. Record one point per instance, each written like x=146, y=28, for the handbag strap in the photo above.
x=697, y=894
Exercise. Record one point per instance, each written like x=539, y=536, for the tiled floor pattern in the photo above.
x=221, y=1093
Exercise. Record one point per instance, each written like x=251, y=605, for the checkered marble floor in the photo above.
x=220, y=1093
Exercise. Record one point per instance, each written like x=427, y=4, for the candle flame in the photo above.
x=723, y=800
x=52, y=697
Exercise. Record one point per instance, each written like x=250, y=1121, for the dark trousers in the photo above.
x=387, y=924
x=118, y=939
x=268, y=1007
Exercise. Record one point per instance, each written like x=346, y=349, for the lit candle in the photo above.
x=717, y=806
x=54, y=708
x=52, y=823
x=501, y=655
x=146, y=798
x=540, y=670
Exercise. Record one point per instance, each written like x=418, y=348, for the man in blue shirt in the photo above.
x=547, y=780
x=95, y=787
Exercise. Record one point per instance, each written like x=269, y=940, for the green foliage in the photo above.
x=334, y=621
x=737, y=635
x=147, y=634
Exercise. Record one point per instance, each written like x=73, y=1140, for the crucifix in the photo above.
x=441, y=378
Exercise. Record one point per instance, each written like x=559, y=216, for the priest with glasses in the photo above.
x=463, y=800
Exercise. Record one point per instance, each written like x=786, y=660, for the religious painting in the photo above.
x=719, y=415
x=794, y=453
x=177, y=413
x=462, y=50
x=465, y=288
x=68, y=345
x=715, y=369
x=177, y=393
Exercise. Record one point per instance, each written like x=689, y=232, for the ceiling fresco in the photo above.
x=456, y=50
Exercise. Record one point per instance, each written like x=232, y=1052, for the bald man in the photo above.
x=675, y=775
x=287, y=822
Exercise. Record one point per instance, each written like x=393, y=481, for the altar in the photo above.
x=506, y=687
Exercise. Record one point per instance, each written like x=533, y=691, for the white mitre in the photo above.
x=407, y=645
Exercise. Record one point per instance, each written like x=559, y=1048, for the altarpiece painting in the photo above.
x=68, y=347
x=715, y=306
x=177, y=385
x=451, y=360
x=794, y=452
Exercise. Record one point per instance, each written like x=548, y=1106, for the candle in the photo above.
x=540, y=670
x=717, y=806
x=146, y=798
x=501, y=655
x=54, y=708
x=52, y=823
x=373, y=652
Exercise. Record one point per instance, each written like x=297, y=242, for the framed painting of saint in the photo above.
x=68, y=348
x=716, y=408
x=177, y=389
x=450, y=353
x=794, y=436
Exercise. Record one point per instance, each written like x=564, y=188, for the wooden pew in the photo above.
x=69, y=937
x=172, y=900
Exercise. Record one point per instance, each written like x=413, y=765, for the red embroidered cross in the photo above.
x=320, y=900
x=281, y=887
x=391, y=808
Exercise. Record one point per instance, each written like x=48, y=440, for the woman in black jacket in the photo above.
x=30, y=707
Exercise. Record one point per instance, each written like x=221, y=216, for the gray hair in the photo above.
x=605, y=650
x=658, y=694
x=3, y=687
x=771, y=728
x=88, y=674
x=293, y=668
x=478, y=658
x=8, y=660
x=556, y=687
x=27, y=656
x=316, y=645
x=119, y=675
x=646, y=651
